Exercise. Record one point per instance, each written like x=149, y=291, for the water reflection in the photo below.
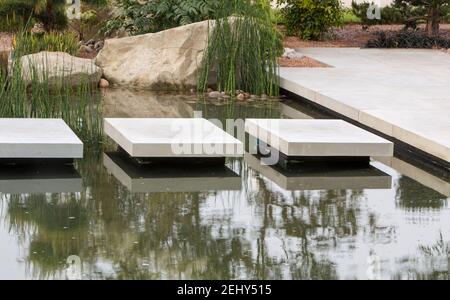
x=170, y=178
x=262, y=224
x=39, y=179
x=324, y=179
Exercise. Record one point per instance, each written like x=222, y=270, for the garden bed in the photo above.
x=351, y=36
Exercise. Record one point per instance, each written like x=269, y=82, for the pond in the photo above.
x=243, y=221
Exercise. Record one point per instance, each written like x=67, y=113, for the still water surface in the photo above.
x=243, y=221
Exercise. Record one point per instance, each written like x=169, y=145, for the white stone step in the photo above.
x=172, y=138
x=38, y=139
x=318, y=138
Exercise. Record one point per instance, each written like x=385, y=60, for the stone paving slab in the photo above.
x=402, y=93
x=318, y=138
x=38, y=139
x=172, y=137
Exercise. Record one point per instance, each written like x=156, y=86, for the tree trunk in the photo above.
x=49, y=24
x=433, y=21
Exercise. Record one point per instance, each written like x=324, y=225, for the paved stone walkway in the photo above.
x=402, y=93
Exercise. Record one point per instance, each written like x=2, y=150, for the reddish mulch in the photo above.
x=304, y=62
x=351, y=36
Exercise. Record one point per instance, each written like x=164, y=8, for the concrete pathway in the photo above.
x=404, y=94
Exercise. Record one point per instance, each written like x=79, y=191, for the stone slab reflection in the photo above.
x=323, y=179
x=159, y=179
x=39, y=179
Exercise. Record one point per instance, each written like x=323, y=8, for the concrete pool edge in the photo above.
x=407, y=152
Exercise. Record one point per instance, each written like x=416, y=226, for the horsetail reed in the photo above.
x=242, y=49
x=37, y=97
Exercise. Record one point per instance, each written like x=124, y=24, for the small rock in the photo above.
x=86, y=49
x=291, y=54
x=247, y=95
x=226, y=97
x=240, y=97
x=38, y=29
x=90, y=42
x=264, y=97
x=99, y=46
x=103, y=83
x=214, y=94
x=209, y=90
x=253, y=97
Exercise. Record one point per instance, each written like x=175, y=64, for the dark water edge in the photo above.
x=390, y=221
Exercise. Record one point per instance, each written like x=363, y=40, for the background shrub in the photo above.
x=51, y=13
x=311, y=19
x=349, y=17
x=389, y=15
x=138, y=18
x=407, y=39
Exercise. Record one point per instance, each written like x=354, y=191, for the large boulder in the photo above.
x=167, y=60
x=59, y=68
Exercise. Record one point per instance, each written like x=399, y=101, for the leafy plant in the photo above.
x=349, y=17
x=242, y=50
x=51, y=13
x=94, y=15
x=11, y=22
x=433, y=12
x=393, y=14
x=137, y=17
x=311, y=19
x=407, y=39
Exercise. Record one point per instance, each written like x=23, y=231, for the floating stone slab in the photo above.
x=38, y=140
x=39, y=179
x=169, y=179
x=178, y=139
x=323, y=178
x=318, y=140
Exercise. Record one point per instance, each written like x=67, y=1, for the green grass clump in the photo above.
x=349, y=17
x=10, y=23
x=79, y=106
x=242, y=49
x=27, y=43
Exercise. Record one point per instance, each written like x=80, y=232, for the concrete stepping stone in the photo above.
x=317, y=141
x=173, y=140
x=38, y=140
x=323, y=179
x=157, y=179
